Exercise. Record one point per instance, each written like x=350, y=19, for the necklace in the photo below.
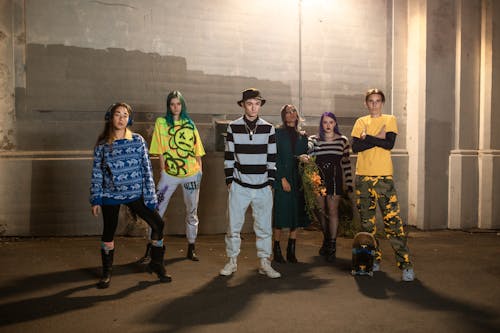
x=250, y=131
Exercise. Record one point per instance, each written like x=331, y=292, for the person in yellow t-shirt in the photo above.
x=177, y=141
x=373, y=137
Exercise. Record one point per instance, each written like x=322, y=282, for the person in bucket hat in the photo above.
x=249, y=94
x=249, y=166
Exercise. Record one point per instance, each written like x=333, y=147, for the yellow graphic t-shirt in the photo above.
x=375, y=161
x=179, y=145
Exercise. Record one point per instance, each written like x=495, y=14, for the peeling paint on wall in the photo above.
x=3, y=229
x=6, y=142
x=4, y=81
x=113, y=4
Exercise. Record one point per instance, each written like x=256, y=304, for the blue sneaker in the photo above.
x=376, y=266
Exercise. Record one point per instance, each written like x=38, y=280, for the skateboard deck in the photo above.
x=363, y=254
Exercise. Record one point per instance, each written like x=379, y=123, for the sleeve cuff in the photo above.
x=151, y=206
x=96, y=202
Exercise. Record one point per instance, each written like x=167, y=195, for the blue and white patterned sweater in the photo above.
x=122, y=173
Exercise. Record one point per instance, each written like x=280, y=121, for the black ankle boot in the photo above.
x=191, y=253
x=156, y=265
x=323, y=250
x=290, y=251
x=277, y=256
x=107, y=266
x=332, y=250
x=146, y=259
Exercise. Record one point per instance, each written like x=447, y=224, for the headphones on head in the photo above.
x=112, y=107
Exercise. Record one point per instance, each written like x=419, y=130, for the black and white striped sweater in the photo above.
x=250, y=156
x=336, y=151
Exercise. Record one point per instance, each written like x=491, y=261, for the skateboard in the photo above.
x=363, y=254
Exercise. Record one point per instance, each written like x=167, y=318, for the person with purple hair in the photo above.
x=331, y=150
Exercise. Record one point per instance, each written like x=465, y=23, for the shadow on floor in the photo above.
x=381, y=286
x=219, y=301
x=64, y=301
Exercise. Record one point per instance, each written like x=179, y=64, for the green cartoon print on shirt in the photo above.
x=176, y=166
x=182, y=139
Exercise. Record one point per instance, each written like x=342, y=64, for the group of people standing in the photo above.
x=258, y=158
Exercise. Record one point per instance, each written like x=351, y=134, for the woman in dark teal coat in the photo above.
x=289, y=204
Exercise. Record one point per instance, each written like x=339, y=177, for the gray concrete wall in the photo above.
x=440, y=105
x=463, y=177
x=494, y=220
x=73, y=59
x=67, y=61
x=495, y=73
x=344, y=52
x=7, y=111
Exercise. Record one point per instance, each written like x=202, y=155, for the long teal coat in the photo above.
x=289, y=207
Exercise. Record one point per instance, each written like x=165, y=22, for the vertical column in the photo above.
x=416, y=78
x=486, y=153
x=397, y=81
x=431, y=105
x=440, y=108
x=7, y=113
x=463, y=159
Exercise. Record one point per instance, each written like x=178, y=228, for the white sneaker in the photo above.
x=266, y=269
x=408, y=274
x=376, y=266
x=229, y=268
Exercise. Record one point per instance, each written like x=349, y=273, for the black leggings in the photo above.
x=110, y=218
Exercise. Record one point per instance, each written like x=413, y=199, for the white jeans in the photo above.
x=191, y=192
x=261, y=201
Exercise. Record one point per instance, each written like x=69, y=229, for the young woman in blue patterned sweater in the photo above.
x=122, y=174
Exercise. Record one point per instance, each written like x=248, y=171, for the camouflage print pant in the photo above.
x=371, y=190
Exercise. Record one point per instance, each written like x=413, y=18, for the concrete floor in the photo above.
x=48, y=285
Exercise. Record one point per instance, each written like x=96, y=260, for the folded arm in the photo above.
x=371, y=141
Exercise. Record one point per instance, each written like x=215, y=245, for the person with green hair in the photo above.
x=177, y=142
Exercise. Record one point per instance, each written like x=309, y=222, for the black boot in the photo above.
x=277, y=256
x=332, y=250
x=146, y=259
x=323, y=250
x=156, y=265
x=191, y=253
x=107, y=266
x=290, y=251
